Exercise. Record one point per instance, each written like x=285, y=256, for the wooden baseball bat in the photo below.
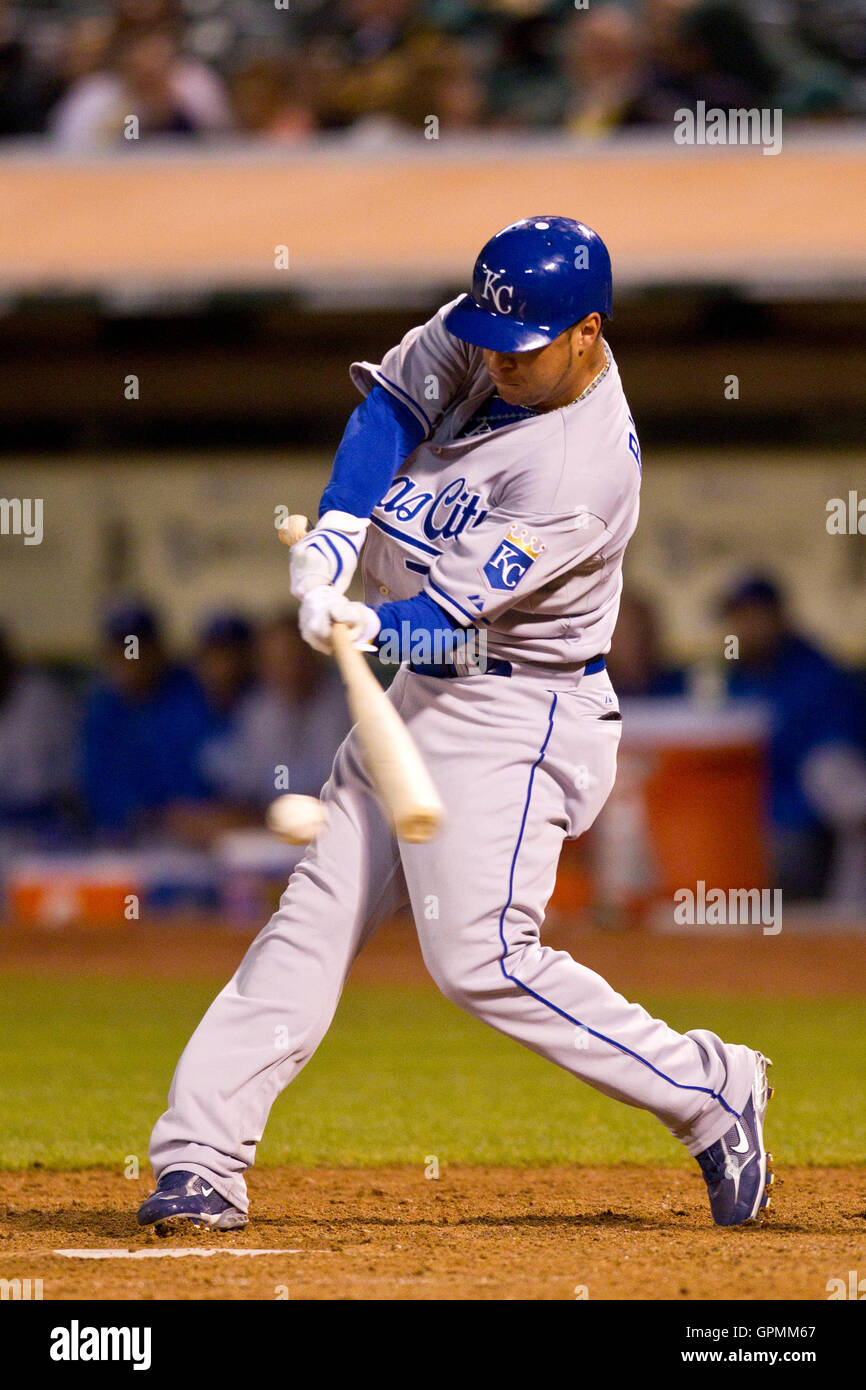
x=393, y=761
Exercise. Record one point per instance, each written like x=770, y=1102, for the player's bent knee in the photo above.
x=472, y=980
x=466, y=983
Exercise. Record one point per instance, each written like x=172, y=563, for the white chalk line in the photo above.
x=174, y=1254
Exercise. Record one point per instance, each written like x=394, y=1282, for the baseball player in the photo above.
x=489, y=484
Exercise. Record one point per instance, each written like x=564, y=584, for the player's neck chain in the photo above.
x=596, y=380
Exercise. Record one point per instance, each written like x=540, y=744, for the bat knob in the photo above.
x=418, y=826
x=292, y=528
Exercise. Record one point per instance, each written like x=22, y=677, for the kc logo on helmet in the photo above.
x=512, y=557
x=498, y=292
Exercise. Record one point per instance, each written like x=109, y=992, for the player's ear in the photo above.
x=584, y=333
x=590, y=328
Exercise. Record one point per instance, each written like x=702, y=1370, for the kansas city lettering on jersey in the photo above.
x=512, y=558
x=442, y=515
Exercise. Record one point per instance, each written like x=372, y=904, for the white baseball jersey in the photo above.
x=520, y=531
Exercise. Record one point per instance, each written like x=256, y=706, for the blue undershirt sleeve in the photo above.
x=425, y=620
x=381, y=432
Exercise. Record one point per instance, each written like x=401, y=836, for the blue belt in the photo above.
x=494, y=668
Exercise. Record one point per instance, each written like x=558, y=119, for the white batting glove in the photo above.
x=328, y=554
x=323, y=606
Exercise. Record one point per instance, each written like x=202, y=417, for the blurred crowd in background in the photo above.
x=75, y=70
x=149, y=749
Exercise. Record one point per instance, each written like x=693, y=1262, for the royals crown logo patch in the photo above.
x=512, y=558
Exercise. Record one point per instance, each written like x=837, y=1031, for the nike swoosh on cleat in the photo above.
x=743, y=1146
x=206, y=1191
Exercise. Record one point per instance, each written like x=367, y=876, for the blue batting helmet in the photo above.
x=531, y=281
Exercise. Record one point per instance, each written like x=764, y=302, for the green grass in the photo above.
x=85, y=1065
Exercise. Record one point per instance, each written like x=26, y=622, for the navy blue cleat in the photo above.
x=736, y=1169
x=182, y=1196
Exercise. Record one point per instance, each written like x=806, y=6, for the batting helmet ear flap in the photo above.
x=532, y=281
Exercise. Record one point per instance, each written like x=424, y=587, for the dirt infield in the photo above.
x=476, y=1233
x=808, y=966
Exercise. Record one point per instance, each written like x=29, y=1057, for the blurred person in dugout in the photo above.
x=223, y=665
x=620, y=843
x=817, y=746
x=636, y=659
x=145, y=722
x=38, y=730
x=145, y=75
x=287, y=727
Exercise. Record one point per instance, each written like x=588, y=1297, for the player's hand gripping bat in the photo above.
x=393, y=761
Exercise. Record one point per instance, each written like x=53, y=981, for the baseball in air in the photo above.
x=297, y=819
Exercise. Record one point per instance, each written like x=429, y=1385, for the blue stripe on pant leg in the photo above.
x=707, y=1090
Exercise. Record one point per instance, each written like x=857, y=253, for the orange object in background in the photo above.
x=706, y=819
x=688, y=806
x=52, y=895
x=575, y=888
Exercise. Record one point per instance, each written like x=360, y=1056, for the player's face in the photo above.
x=543, y=378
